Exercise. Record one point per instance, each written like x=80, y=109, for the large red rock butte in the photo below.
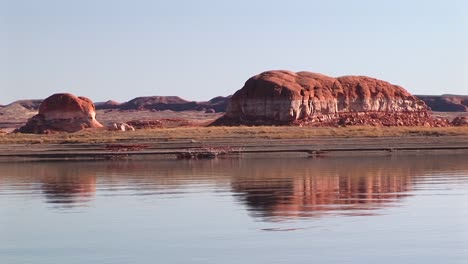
x=63, y=112
x=306, y=98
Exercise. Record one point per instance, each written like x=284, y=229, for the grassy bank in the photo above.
x=203, y=133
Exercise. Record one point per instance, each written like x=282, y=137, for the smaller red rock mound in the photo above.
x=65, y=103
x=62, y=112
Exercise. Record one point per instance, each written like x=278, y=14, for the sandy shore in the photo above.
x=230, y=142
x=197, y=141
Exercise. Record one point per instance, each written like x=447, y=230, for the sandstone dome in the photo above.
x=63, y=112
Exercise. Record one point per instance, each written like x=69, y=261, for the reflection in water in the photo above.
x=61, y=183
x=341, y=185
x=273, y=189
x=64, y=186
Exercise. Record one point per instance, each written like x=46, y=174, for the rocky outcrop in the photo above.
x=284, y=97
x=446, y=102
x=422, y=118
x=62, y=112
x=120, y=127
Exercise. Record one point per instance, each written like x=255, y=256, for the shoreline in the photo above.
x=238, y=142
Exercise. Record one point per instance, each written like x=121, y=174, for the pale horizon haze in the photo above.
x=197, y=50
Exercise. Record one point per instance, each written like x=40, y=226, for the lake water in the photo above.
x=395, y=209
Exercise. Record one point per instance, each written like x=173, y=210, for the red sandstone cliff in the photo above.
x=284, y=97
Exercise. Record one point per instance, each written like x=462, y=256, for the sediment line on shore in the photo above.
x=226, y=147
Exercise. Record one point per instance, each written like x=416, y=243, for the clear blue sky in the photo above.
x=111, y=49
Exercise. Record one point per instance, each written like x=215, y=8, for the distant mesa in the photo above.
x=218, y=104
x=32, y=104
x=110, y=104
x=174, y=103
x=446, y=102
x=306, y=98
x=62, y=112
x=22, y=106
x=460, y=121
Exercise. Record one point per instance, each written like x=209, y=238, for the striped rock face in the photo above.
x=283, y=96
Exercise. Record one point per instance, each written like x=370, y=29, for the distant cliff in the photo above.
x=161, y=103
x=446, y=102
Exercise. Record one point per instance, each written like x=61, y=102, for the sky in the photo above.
x=115, y=49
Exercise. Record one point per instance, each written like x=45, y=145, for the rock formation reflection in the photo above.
x=62, y=185
x=345, y=186
x=270, y=188
x=318, y=192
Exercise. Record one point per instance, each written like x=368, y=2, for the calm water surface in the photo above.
x=411, y=209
